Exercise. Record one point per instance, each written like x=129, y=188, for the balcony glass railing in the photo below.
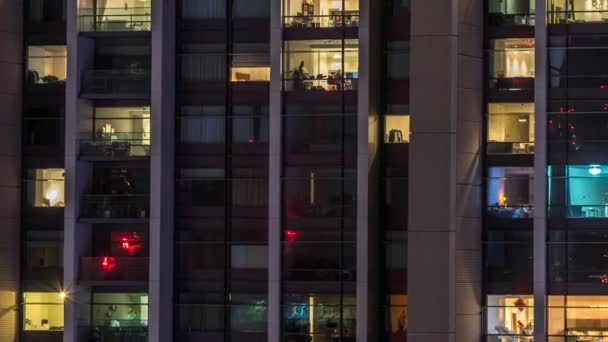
x=116, y=81
x=118, y=145
x=321, y=83
x=348, y=19
x=134, y=19
x=116, y=206
x=511, y=211
x=499, y=147
x=511, y=19
x=108, y=268
x=577, y=16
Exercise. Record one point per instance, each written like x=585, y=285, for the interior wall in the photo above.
x=11, y=69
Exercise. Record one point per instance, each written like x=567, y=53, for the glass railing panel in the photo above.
x=522, y=147
x=118, y=145
x=348, y=19
x=511, y=19
x=107, y=268
x=511, y=211
x=134, y=19
x=116, y=81
x=599, y=15
x=116, y=206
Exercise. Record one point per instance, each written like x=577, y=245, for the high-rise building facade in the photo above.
x=303, y=170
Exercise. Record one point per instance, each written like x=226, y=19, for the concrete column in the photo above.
x=444, y=228
x=162, y=166
x=540, y=172
x=77, y=236
x=11, y=69
x=274, y=175
x=368, y=171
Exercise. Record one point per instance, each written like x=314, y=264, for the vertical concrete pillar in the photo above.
x=540, y=172
x=274, y=175
x=444, y=228
x=76, y=235
x=368, y=171
x=162, y=166
x=11, y=69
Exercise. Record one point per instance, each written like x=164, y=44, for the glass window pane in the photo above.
x=511, y=128
x=43, y=311
x=46, y=64
x=45, y=187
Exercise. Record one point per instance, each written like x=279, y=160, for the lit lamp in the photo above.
x=50, y=197
x=595, y=170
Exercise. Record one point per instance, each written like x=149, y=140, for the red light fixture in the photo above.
x=290, y=235
x=108, y=263
x=129, y=242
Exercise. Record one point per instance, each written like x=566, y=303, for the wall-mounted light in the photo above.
x=595, y=170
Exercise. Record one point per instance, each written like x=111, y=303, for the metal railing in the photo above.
x=510, y=147
x=322, y=21
x=138, y=19
x=114, y=268
x=577, y=17
x=116, y=81
x=115, y=206
x=511, y=211
x=118, y=145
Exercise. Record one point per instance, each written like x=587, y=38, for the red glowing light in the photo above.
x=251, y=141
x=129, y=242
x=290, y=235
x=604, y=279
x=108, y=264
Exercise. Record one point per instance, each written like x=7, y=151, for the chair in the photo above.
x=240, y=76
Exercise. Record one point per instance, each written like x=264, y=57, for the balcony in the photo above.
x=109, y=83
x=125, y=19
x=124, y=146
x=112, y=207
x=340, y=24
x=131, y=269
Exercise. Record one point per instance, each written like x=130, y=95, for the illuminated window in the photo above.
x=331, y=65
x=43, y=311
x=511, y=128
x=117, y=311
x=396, y=129
x=398, y=315
x=250, y=62
x=577, y=11
x=511, y=192
x=586, y=190
x=250, y=74
x=509, y=315
x=114, y=15
x=46, y=64
x=582, y=317
x=45, y=187
x=117, y=131
x=513, y=57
